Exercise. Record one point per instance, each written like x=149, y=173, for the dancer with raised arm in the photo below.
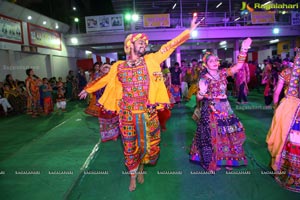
x=220, y=135
x=283, y=138
x=135, y=90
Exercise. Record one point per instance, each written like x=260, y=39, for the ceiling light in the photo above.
x=223, y=43
x=274, y=41
x=76, y=19
x=275, y=31
x=74, y=8
x=219, y=5
x=194, y=34
x=174, y=6
x=29, y=17
x=56, y=26
x=237, y=19
x=44, y=22
x=74, y=40
x=135, y=17
x=127, y=16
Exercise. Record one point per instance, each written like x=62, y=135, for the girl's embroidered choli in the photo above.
x=217, y=85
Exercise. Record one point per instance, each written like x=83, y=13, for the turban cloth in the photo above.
x=132, y=38
x=206, y=56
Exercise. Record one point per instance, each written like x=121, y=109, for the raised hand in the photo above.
x=83, y=94
x=246, y=44
x=193, y=23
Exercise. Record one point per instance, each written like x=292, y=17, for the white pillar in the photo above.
x=50, y=71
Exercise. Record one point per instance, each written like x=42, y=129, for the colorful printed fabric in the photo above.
x=157, y=94
x=283, y=138
x=285, y=75
x=132, y=38
x=93, y=109
x=175, y=91
x=141, y=138
x=217, y=88
x=192, y=91
x=109, y=125
x=33, y=101
x=137, y=125
x=48, y=105
x=242, y=76
x=135, y=90
x=163, y=116
x=288, y=174
x=219, y=137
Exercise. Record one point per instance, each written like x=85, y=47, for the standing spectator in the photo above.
x=165, y=114
x=81, y=79
x=268, y=78
x=61, y=102
x=33, y=93
x=176, y=82
x=71, y=85
x=184, y=81
x=94, y=109
x=241, y=80
x=14, y=95
x=47, y=96
x=193, y=80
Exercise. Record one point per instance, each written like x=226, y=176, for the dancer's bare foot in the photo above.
x=140, y=176
x=132, y=184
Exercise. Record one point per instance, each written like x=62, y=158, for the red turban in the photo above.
x=132, y=38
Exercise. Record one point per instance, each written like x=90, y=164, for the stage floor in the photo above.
x=60, y=157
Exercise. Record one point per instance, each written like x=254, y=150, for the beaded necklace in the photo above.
x=217, y=77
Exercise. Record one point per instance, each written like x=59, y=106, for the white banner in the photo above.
x=104, y=23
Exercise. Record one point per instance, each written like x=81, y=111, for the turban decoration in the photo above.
x=206, y=56
x=132, y=38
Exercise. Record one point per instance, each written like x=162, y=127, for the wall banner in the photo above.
x=263, y=17
x=157, y=20
x=43, y=37
x=104, y=23
x=11, y=30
